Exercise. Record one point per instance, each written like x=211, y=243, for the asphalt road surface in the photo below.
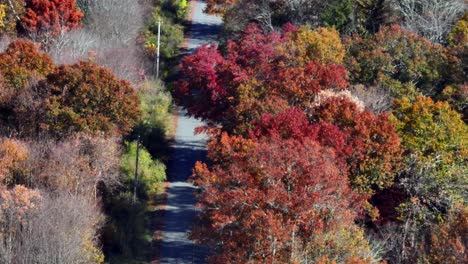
x=180, y=213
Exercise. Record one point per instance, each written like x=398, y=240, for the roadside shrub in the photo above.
x=172, y=34
x=151, y=173
x=155, y=104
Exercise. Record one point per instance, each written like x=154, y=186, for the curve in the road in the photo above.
x=180, y=212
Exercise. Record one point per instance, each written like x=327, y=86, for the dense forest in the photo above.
x=77, y=90
x=337, y=130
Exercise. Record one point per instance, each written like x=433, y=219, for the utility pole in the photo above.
x=159, y=45
x=135, y=184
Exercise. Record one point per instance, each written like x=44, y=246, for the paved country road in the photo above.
x=176, y=247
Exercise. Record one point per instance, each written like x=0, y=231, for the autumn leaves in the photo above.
x=295, y=160
x=65, y=99
x=302, y=156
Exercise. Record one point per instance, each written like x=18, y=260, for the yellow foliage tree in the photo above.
x=434, y=176
x=3, y=9
x=340, y=245
x=321, y=45
x=429, y=127
x=11, y=12
x=459, y=33
x=93, y=253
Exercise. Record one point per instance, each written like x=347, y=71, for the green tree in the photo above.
x=172, y=34
x=357, y=16
x=151, y=173
x=155, y=104
x=157, y=118
x=337, y=14
x=397, y=59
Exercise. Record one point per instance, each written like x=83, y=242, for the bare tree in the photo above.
x=109, y=36
x=104, y=159
x=63, y=231
x=17, y=206
x=270, y=14
x=48, y=229
x=5, y=40
x=376, y=99
x=73, y=46
x=118, y=21
x=304, y=11
x=77, y=165
x=432, y=19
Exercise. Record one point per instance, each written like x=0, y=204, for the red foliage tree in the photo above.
x=292, y=123
x=51, y=16
x=201, y=82
x=300, y=85
x=375, y=152
x=253, y=77
x=368, y=143
x=271, y=194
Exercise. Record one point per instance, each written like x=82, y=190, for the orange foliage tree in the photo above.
x=21, y=104
x=448, y=242
x=219, y=6
x=22, y=63
x=15, y=205
x=86, y=97
x=12, y=154
x=38, y=96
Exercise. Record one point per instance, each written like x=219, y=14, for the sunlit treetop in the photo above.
x=86, y=97
x=261, y=73
x=429, y=127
